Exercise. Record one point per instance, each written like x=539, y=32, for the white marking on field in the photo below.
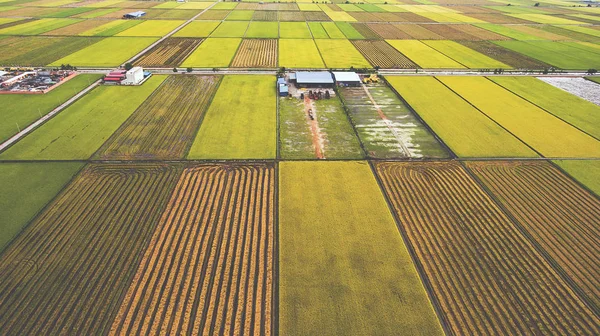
x=580, y=87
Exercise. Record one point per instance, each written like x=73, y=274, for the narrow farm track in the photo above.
x=559, y=214
x=209, y=266
x=165, y=125
x=66, y=273
x=487, y=277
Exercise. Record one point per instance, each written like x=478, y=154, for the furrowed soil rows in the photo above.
x=165, y=125
x=209, y=266
x=506, y=56
x=169, y=53
x=256, y=53
x=388, y=31
x=487, y=277
x=380, y=53
x=449, y=33
x=365, y=31
x=561, y=216
x=66, y=273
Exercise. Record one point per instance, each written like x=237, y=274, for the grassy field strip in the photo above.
x=208, y=269
x=584, y=171
x=165, y=125
x=341, y=276
x=465, y=56
x=299, y=53
x=485, y=273
x=424, y=56
x=570, y=108
x=541, y=130
x=213, y=52
x=560, y=215
x=26, y=189
x=109, y=52
x=79, y=130
x=341, y=54
x=51, y=279
x=462, y=127
x=240, y=122
x=21, y=110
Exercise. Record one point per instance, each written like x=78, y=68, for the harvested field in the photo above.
x=208, y=269
x=261, y=15
x=413, y=18
x=388, y=31
x=291, y=16
x=584, y=88
x=506, y=56
x=419, y=32
x=165, y=125
x=555, y=211
x=316, y=16
x=256, y=53
x=169, y=53
x=479, y=33
x=449, y=33
x=388, y=17
x=380, y=53
x=424, y=55
x=365, y=31
x=53, y=281
x=485, y=274
x=366, y=17
x=213, y=14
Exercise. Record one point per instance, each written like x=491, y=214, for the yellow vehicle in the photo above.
x=371, y=79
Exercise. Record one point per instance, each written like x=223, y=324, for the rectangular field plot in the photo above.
x=559, y=214
x=462, y=127
x=386, y=126
x=156, y=28
x=208, y=268
x=197, y=29
x=52, y=281
x=423, y=55
x=76, y=28
x=570, y=108
x=339, y=54
x=231, y=29
x=465, y=56
x=327, y=135
x=241, y=122
x=485, y=273
x=340, y=276
x=506, y=56
x=299, y=53
x=111, y=51
x=169, y=53
x=263, y=30
x=587, y=172
x=37, y=26
x=383, y=55
x=165, y=125
x=20, y=110
x=294, y=30
x=26, y=189
x=545, y=133
x=562, y=55
x=213, y=52
x=111, y=28
x=256, y=53
x=79, y=130
x=38, y=50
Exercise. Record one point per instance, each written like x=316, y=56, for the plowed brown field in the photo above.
x=169, y=53
x=209, y=266
x=380, y=53
x=486, y=275
x=560, y=215
x=66, y=273
x=256, y=53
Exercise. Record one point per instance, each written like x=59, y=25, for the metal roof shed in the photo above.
x=346, y=77
x=320, y=77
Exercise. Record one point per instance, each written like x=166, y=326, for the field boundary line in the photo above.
x=275, y=303
x=413, y=255
x=15, y=138
x=580, y=294
x=557, y=166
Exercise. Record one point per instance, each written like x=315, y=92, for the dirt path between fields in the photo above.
x=317, y=136
x=387, y=122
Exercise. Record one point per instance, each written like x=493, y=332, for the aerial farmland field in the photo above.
x=343, y=168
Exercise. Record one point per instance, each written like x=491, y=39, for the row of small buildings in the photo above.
x=318, y=79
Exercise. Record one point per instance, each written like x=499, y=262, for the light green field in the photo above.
x=213, y=52
x=463, y=128
x=547, y=134
x=241, y=122
x=231, y=29
x=195, y=5
x=570, y=108
x=510, y=31
x=26, y=189
x=339, y=54
x=111, y=51
x=317, y=30
x=424, y=56
x=299, y=53
x=564, y=55
x=294, y=30
x=465, y=56
x=224, y=5
x=94, y=13
x=156, y=28
x=258, y=29
x=198, y=29
x=37, y=27
x=349, y=31
x=343, y=266
x=594, y=79
x=78, y=131
x=240, y=15
x=332, y=30
x=587, y=172
x=23, y=109
x=111, y=28
x=584, y=30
